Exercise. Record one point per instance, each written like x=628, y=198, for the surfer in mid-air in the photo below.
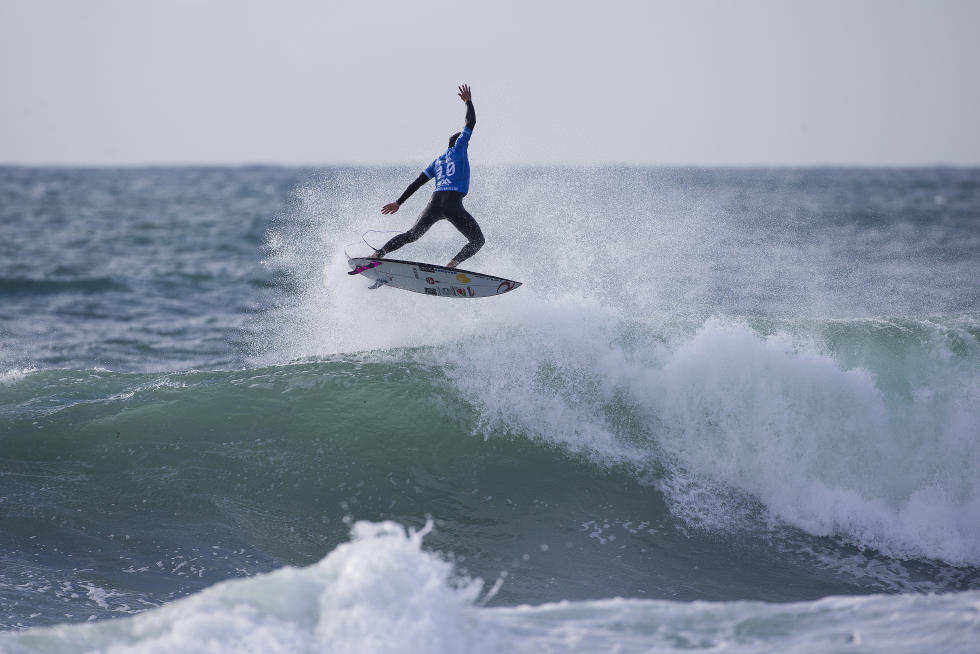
x=452, y=173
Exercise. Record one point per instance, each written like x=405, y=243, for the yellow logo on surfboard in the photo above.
x=462, y=278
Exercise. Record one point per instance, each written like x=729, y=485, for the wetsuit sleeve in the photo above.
x=414, y=186
x=464, y=136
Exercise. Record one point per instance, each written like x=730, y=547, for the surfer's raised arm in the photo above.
x=466, y=96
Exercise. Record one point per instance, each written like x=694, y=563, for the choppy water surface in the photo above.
x=728, y=408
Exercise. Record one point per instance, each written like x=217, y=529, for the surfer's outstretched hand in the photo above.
x=464, y=93
x=391, y=207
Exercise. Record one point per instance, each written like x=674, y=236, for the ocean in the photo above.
x=728, y=410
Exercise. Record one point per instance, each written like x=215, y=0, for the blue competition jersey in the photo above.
x=452, y=169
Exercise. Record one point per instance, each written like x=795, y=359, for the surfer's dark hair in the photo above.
x=452, y=139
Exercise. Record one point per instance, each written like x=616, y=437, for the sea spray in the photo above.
x=609, y=353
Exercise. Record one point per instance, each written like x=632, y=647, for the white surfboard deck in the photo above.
x=430, y=279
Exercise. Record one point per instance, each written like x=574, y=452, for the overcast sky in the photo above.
x=881, y=82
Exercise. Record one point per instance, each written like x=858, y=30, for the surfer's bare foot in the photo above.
x=375, y=255
x=452, y=264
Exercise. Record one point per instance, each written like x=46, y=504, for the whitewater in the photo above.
x=733, y=410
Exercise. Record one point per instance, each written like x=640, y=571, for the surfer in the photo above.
x=452, y=173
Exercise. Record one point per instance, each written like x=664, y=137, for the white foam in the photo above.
x=382, y=592
x=830, y=449
x=824, y=448
x=893, y=624
x=378, y=593
x=15, y=375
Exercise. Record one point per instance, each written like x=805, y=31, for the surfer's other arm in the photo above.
x=392, y=207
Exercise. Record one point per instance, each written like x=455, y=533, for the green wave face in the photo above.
x=642, y=454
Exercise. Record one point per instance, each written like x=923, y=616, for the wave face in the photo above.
x=736, y=387
x=642, y=455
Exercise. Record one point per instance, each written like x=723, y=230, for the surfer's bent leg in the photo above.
x=467, y=225
x=429, y=217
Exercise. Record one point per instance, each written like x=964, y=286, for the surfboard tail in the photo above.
x=359, y=269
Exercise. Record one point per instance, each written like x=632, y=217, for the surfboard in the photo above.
x=429, y=279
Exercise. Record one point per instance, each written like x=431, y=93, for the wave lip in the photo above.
x=885, y=463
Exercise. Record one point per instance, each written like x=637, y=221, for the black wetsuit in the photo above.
x=447, y=203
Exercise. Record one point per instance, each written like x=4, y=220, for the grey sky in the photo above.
x=575, y=82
